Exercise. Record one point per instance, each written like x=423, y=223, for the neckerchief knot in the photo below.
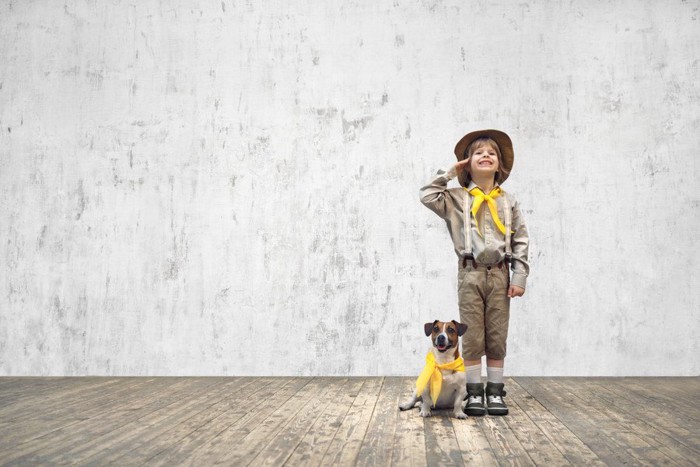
x=479, y=198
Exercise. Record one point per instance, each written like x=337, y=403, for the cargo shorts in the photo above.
x=484, y=306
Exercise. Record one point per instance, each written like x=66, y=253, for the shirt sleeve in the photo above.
x=520, y=242
x=434, y=194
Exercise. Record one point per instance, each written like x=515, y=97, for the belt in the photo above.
x=475, y=265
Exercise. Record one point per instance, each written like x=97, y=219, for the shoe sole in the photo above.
x=475, y=412
x=498, y=411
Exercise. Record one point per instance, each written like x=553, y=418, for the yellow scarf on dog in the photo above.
x=431, y=375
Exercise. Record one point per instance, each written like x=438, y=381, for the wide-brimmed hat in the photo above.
x=504, y=144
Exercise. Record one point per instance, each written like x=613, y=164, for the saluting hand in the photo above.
x=461, y=165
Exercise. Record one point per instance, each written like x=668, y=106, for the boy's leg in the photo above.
x=494, y=370
x=475, y=389
x=471, y=313
x=494, y=388
x=497, y=317
x=473, y=370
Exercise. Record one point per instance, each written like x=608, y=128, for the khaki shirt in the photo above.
x=489, y=249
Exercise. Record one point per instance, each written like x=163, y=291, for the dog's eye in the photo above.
x=436, y=329
x=450, y=330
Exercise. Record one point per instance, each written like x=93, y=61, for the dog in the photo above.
x=445, y=353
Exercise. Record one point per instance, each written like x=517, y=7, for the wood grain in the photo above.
x=342, y=421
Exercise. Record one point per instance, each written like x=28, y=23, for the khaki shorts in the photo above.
x=484, y=307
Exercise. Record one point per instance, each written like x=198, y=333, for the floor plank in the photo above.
x=314, y=445
x=506, y=446
x=283, y=445
x=182, y=440
x=382, y=426
x=228, y=431
x=342, y=421
x=473, y=442
x=586, y=416
x=70, y=408
x=441, y=446
x=346, y=444
x=48, y=448
x=133, y=441
x=161, y=427
x=259, y=437
x=39, y=427
x=673, y=395
x=573, y=449
x=532, y=438
x=60, y=395
x=409, y=436
x=677, y=443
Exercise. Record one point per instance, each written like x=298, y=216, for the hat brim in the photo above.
x=504, y=144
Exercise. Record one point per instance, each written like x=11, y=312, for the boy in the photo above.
x=495, y=238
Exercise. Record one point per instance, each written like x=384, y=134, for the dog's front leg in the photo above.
x=410, y=403
x=425, y=406
x=460, y=394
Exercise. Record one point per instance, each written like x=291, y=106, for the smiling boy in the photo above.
x=489, y=237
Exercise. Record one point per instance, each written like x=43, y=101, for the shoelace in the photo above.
x=495, y=400
x=474, y=400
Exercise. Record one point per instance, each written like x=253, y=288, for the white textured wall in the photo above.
x=232, y=187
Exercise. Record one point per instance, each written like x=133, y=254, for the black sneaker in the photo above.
x=475, y=400
x=494, y=399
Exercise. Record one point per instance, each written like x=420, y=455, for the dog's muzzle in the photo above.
x=442, y=343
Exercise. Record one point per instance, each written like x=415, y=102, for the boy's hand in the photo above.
x=461, y=165
x=515, y=291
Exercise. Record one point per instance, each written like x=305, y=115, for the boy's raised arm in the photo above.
x=433, y=195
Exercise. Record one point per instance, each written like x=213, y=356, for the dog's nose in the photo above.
x=441, y=339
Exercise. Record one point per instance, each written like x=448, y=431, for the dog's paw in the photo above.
x=461, y=415
x=425, y=413
x=406, y=406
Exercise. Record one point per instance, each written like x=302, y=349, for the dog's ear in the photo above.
x=428, y=327
x=461, y=328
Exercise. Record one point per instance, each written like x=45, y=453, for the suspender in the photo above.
x=508, y=213
x=467, y=229
x=467, y=205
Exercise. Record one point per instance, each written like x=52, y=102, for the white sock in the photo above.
x=473, y=374
x=493, y=374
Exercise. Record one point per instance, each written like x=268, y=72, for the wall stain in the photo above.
x=353, y=128
x=42, y=237
x=81, y=199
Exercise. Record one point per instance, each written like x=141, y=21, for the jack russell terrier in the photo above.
x=443, y=380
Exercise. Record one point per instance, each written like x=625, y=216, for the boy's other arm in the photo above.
x=519, y=244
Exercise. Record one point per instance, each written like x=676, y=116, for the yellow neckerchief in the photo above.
x=431, y=374
x=480, y=197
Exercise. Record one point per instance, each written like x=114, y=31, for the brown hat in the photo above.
x=504, y=144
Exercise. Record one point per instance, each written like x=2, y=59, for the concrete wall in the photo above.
x=231, y=187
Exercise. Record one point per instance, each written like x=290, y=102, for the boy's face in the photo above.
x=484, y=161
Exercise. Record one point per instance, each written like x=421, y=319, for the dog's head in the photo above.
x=444, y=335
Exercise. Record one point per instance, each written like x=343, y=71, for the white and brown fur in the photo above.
x=445, y=348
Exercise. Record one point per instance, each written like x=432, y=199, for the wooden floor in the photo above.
x=342, y=421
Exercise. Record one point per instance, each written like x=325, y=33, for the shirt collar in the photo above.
x=472, y=185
